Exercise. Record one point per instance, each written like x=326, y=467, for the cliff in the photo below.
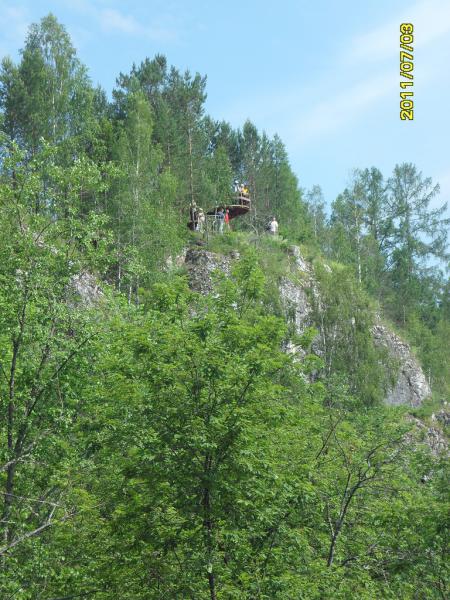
x=296, y=288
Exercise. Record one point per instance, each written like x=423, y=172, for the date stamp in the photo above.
x=406, y=72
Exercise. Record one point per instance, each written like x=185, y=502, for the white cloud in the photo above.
x=431, y=20
x=347, y=92
x=339, y=109
x=82, y=6
x=114, y=20
x=301, y=114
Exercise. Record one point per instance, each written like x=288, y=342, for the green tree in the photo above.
x=48, y=95
x=194, y=470
x=420, y=234
x=315, y=205
x=347, y=220
x=142, y=206
x=44, y=346
x=344, y=315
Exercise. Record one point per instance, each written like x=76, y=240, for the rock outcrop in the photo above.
x=200, y=265
x=299, y=261
x=431, y=436
x=86, y=288
x=295, y=303
x=442, y=416
x=411, y=387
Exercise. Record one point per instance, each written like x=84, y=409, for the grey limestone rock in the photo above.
x=431, y=436
x=200, y=265
x=411, y=387
x=300, y=262
x=295, y=304
x=86, y=288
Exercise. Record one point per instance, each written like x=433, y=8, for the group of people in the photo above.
x=222, y=214
x=222, y=219
x=198, y=218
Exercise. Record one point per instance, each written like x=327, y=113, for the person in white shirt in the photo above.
x=201, y=220
x=273, y=226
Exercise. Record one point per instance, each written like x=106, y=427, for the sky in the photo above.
x=324, y=75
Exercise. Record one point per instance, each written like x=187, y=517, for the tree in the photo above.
x=198, y=474
x=344, y=317
x=348, y=218
x=219, y=174
x=11, y=97
x=315, y=205
x=390, y=236
x=143, y=204
x=159, y=443
x=48, y=95
x=419, y=234
x=44, y=346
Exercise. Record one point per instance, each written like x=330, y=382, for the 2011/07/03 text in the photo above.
x=406, y=71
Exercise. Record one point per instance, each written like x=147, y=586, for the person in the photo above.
x=220, y=216
x=227, y=219
x=236, y=186
x=194, y=214
x=245, y=191
x=201, y=220
x=273, y=226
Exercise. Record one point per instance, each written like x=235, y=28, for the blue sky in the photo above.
x=324, y=75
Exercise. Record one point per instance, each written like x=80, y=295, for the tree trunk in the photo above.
x=9, y=485
x=191, y=167
x=208, y=528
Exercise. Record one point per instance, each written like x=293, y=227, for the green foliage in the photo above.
x=45, y=349
x=393, y=241
x=156, y=443
x=48, y=95
x=431, y=343
x=344, y=315
x=142, y=204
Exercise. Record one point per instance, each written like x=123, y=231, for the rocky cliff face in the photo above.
x=201, y=264
x=429, y=435
x=296, y=304
x=85, y=289
x=410, y=388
